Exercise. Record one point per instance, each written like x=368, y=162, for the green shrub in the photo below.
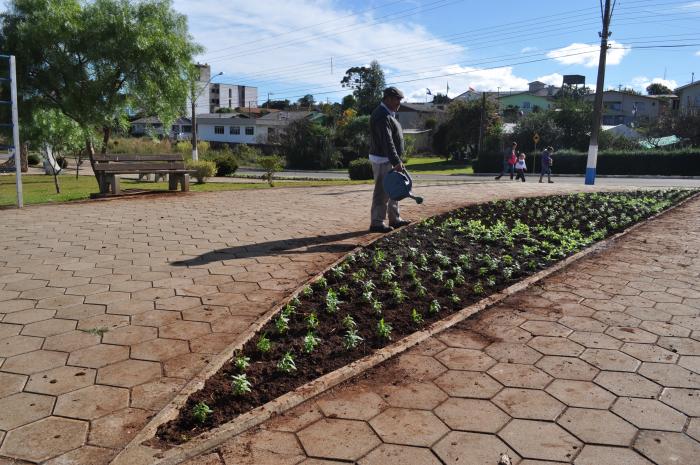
x=203, y=169
x=360, y=169
x=271, y=165
x=245, y=154
x=226, y=164
x=33, y=159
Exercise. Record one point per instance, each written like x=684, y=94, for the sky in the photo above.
x=289, y=48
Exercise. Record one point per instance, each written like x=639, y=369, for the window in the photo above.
x=175, y=128
x=218, y=129
x=614, y=106
x=234, y=130
x=187, y=128
x=249, y=131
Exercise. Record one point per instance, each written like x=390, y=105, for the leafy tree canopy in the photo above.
x=440, y=98
x=368, y=86
x=657, y=88
x=94, y=60
x=306, y=101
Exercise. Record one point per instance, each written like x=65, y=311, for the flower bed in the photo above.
x=400, y=284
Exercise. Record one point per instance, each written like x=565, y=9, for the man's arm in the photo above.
x=388, y=145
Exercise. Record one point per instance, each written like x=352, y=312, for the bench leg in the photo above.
x=145, y=177
x=172, y=182
x=109, y=184
x=182, y=179
x=113, y=181
x=185, y=185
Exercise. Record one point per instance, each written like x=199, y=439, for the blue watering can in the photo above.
x=398, y=185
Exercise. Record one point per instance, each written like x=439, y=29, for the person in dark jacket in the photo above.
x=510, y=157
x=385, y=149
x=546, y=163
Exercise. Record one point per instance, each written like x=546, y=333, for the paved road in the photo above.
x=108, y=308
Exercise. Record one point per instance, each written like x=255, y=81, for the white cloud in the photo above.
x=588, y=54
x=462, y=78
x=697, y=54
x=554, y=79
x=641, y=82
x=528, y=49
x=692, y=6
x=286, y=46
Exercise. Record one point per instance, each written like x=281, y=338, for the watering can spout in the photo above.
x=398, y=186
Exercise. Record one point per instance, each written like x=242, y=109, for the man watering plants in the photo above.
x=385, y=149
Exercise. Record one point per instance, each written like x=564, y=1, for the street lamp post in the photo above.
x=268, y=99
x=193, y=98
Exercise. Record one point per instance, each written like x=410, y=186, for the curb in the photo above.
x=135, y=453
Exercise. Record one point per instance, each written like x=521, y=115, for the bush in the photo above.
x=226, y=164
x=33, y=159
x=245, y=153
x=203, y=169
x=271, y=165
x=360, y=169
x=633, y=163
x=308, y=146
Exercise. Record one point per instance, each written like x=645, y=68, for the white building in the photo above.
x=238, y=128
x=213, y=96
x=689, y=98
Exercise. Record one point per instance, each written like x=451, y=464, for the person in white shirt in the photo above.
x=520, y=167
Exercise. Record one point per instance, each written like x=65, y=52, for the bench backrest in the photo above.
x=128, y=162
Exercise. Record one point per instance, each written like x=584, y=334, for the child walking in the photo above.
x=547, y=162
x=520, y=167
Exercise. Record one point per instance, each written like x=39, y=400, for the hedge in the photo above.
x=360, y=169
x=681, y=163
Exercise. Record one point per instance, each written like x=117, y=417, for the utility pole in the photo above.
x=598, y=103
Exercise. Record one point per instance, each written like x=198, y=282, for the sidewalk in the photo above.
x=599, y=365
x=100, y=326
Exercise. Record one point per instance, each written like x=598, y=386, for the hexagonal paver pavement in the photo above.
x=22, y=408
x=667, y=448
x=352, y=405
x=598, y=427
x=338, y=439
x=602, y=455
x=472, y=415
x=540, y=440
x=425, y=396
x=649, y=414
x=468, y=384
x=92, y=402
x=482, y=449
x=60, y=380
x=409, y=427
x=44, y=439
x=391, y=454
x=530, y=404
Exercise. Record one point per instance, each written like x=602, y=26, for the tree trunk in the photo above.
x=55, y=178
x=90, y=149
x=106, y=133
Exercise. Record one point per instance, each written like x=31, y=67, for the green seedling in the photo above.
x=396, y=292
x=332, y=301
x=241, y=362
x=454, y=298
x=416, y=317
x=412, y=252
x=421, y=291
x=282, y=323
x=459, y=279
x=351, y=339
x=310, y=342
x=359, y=275
x=377, y=306
x=441, y=258
x=307, y=291
x=286, y=363
x=264, y=345
x=399, y=262
x=434, y=308
x=349, y=323
x=96, y=331
x=384, y=330
x=388, y=273
x=438, y=275
x=478, y=288
x=411, y=270
x=312, y=321
x=344, y=290
x=368, y=285
x=200, y=412
x=337, y=272
x=378, y=258
x=423, y=260
x=295, y=302
x=367, y=296
x=240, y=384
x=449, y=284
x=321, y=283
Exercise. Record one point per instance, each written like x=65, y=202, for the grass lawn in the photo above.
x=434, y=165
x=40, y=189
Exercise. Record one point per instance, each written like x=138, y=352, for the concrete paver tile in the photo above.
x=130, y=307
x=9, y=330
x=649, y=353
x=159, y=349
x=465, y=359
x=685, y=400
x=649, y=414
x=34, y=362
x=512, y=353
x=667, y=448
x=613, y=360
x=117, y=429
x=25, y=317
x=689, y=322
x=617, y=319
x=185, y=365
x=649, y=315
x=463, y=339
x=45, y=439
x=98, y=356
x=419, y=367
x=71, y=341
x=263, y=447
x=128, y=373
x=129, y=335
x=680, y=345
x=693, y=429
x=627, y=384
x=482, y=449
x=155, y=318
x=410, y=427
x=49, y=327
x=540, y=440
x=424, y=396
x=598, y=427
x=11, y=383
x=520, y=375
x=546, y=328
x=676, y=309
x=207, y=313
x=91, y=402
x=107, y=321
x=60, y=380
x=690, y=362
x=212, y=343
x=338, y=439
x=84, y=455
x=156, y=394
x=567, y=368
x=669, y=375
x=107, y=298
x=580, y=394
x=529, y=404
x=631, y=335
x=352, y=404
x=80, y=311
x=556, y=346
x=295, y=419
x=23, y=408
x=602, y=455
x=391, y=454
x=665, y=329
x=468, y=384
x=184, y=330
x=583, y=323
x=472, y=415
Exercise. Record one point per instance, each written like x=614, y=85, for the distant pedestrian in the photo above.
x=510, y=157
x=520, y=167
x=385, y=150
x=546, y=163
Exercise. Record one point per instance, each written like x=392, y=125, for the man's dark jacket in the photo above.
x=385, y=135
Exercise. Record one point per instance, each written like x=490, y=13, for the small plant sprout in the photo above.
x=378, y=258
x=332, y=301
x=490, y=281
x=312, y=321
x=384, y=330
x=264, y=345
x=288, y=310
x=367, y=296
x=459, y=279
x=396, y=292
x=241, y=362
x=351, y=339
x=377, y=306
x=423, y=260
x=438, y=275
x=449, y=284
x=240, y=384
x=295, y=302
x=286, y=363
x=454, y=298
x=434, y=307
x=307, y=291
x=337, y=272
x=441, y=258
x=310, y=342
x=344, y=289
x=359, y=275
x=349, y=323
x=465, y=261
x=399, y=262
x=388, y=273
x=416, y=317
x=368, y=285
x=412, y=252
x=282, y=323
x=200, y=412
x=478, y=288
x=411, y=270
x=321, y=283
x=421, y=291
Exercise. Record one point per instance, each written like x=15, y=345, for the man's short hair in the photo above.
x=392, y=92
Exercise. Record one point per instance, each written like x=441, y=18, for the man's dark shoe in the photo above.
x=380, y=229
x=400, y=223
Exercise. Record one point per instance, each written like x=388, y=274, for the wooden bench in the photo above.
x=107, y=167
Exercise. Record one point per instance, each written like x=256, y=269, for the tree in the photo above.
x=94, y=60
x=277, y=104
x=348, y=102
x=306, y=145
x=367, y=84
x=536, y=123
x=440, y=98
x=461, y=129
x=656, y=88
x=307, y=101
x=574, y=117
